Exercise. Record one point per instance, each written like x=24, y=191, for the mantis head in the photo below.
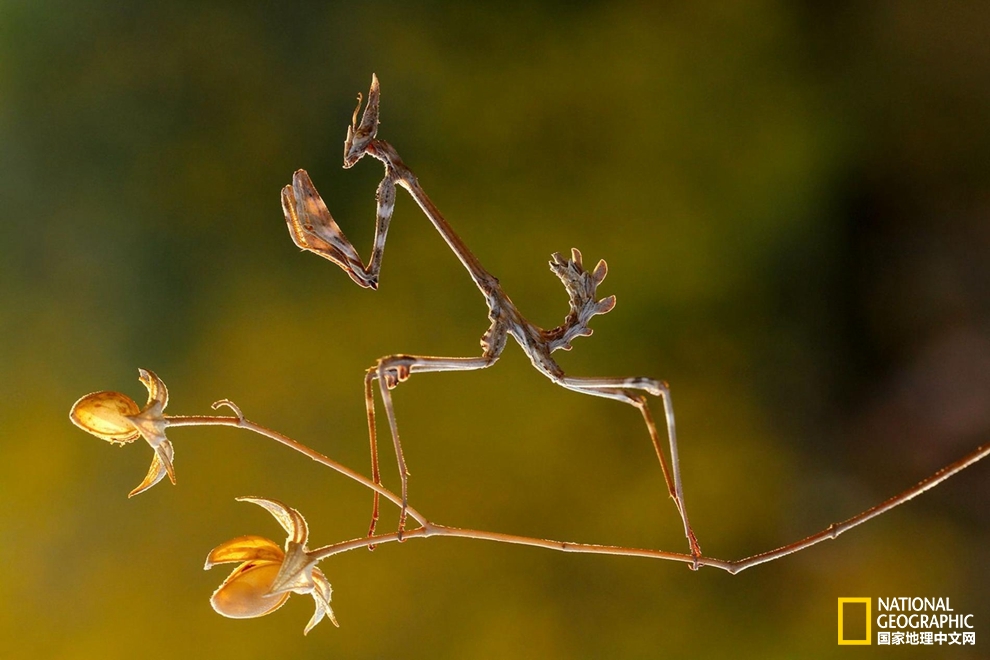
x=359, y=136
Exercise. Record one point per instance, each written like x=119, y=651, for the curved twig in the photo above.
x=429, y=529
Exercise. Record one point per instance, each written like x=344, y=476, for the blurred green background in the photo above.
x=794, y=206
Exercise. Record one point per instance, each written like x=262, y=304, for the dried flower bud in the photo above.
x=246, y=593
x=106, y=415
x=267, y=574
x=116, y=418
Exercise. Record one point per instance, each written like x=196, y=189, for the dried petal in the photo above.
x=296, y=573
x=105, y=415
x=321, y=594
x=291, y=520
x=151, y=424
x=161, y=464
x=245, y=548
x=244, y=594
x=157, y=392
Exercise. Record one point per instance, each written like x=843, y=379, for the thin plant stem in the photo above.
x=429, y=529
x=242, y=423
x=835, y=529
x=433, y=529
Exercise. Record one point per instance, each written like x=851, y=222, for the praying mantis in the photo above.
x=313, y=229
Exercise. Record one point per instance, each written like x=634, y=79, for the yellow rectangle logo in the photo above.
x=854, y=621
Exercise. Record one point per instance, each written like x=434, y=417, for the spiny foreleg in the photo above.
x=313, y=228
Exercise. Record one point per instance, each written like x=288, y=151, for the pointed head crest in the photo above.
x=359, y=136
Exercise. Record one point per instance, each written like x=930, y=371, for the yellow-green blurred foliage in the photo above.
x=794, y=207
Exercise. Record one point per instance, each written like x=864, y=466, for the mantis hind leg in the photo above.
x=619, y=390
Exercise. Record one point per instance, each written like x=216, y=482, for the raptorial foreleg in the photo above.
x=313, y=228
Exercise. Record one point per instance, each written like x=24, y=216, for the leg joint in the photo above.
x=651, y=385
x=393, y=369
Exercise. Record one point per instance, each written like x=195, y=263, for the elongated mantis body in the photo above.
x=313, y=229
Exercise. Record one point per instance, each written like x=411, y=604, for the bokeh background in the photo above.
x=795, y=209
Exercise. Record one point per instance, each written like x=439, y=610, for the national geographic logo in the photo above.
x=854, y=621
x=904, y=621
